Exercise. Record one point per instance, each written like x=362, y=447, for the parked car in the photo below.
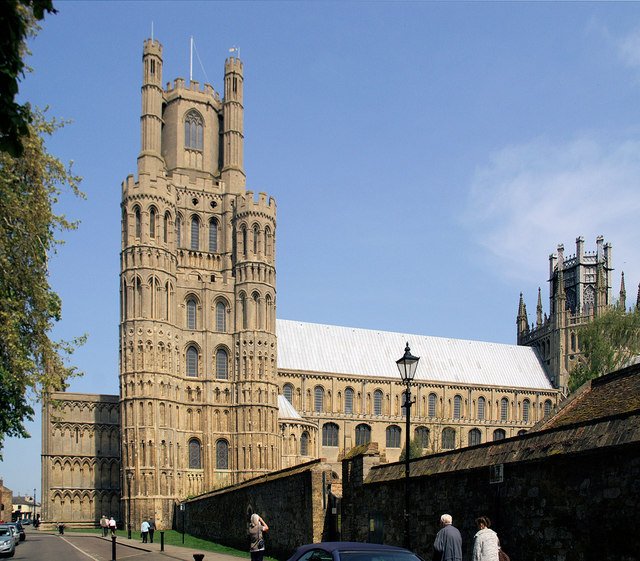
x=352, y=551
x=19, y=528
x=13, y=530
x=7, y=542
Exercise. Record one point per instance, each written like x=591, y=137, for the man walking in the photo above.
x=448, y=544
x=144, y=530
x=152, y=529
x=104, y=524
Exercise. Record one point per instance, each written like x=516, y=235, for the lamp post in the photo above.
x=129, y=478
x=33, y=515
x=407, y=365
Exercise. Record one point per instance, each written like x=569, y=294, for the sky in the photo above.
x=426, y=157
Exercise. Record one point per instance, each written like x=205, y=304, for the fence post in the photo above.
x=162, y=541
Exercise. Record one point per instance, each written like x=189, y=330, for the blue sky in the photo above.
x=425, y=157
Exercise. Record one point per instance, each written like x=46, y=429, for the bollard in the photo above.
x=198, y=556
x=113, y=548
x=162, y=541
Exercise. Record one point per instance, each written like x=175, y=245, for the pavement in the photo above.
x=153, y=552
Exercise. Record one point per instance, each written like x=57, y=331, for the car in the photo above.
x=7, y=542
x=19, y=528
x=352, y=551
x=12, y=530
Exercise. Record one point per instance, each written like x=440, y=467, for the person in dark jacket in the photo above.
x=448, y=544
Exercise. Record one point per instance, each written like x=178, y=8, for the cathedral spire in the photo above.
x=522, y=321
x=539, y=309
x=622, y=301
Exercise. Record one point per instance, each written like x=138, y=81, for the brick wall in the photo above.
x=565, y=507
x=290, y=501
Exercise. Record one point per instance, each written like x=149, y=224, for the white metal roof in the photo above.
x=312, y=347
x=286, y=410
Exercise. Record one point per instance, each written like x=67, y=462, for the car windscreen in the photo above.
x=381, y=555
x=5, y=532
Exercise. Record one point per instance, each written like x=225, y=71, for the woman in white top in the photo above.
x=486, y=543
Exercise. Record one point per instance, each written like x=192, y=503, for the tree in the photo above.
x=30, y=361
x=17, y=21
x=608, y=343
x=415, y=450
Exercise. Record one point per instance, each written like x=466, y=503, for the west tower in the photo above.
x=198, y=349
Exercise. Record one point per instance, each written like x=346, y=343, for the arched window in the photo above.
x=393, y=436
x=221, y=317
x=192, y=361
x=499, y=434
x=152, y=222
x=213, y=235
x=348, y=401
x=482, y=402
x=243, y=310
x=432, y=404
x=125, y=227
x=138, y=222
x=222, y=454
x=421, y=434
x=165, y=227
x=193, y=131
x=287, y=391
x=267, y=312
x=304, y=444
x=526, y=404
x=448, y=439
x=457, y=406
x=195, y=233
x=243, y=233
x=195, y=456
x=521, y=432
x=257, y=319
x=504, y=409
x=547, y=408
x=330, y=434
x=222, y=364
x=363, y=434
x=475, y=437
x=318, y=399
x=377, y=402
x=178, y=231
x=191, y=313
x=267, y=241
x=256, y=238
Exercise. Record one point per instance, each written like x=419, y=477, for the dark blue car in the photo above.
x=352, y=551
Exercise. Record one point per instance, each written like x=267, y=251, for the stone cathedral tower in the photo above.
x=198, y=393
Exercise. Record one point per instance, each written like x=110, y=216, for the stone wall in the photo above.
x=292, y=502
x=567, y=507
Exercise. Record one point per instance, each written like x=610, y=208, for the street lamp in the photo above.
x=33, y=516
x=407, y=365
x=129, y=478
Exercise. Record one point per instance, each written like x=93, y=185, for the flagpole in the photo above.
x=191, y=61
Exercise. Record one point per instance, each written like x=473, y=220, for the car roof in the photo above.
x=343, y=546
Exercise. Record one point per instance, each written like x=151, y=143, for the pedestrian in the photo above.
x=144, y=531
x=152, y=529
x=256, y=529
x=448, y=544
x=112, y=526
x=486, y=544
x=104, y=524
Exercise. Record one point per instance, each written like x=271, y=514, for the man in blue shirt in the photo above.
x=448, y=544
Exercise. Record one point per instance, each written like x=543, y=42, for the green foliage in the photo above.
x=607, y=343
x=17, y=22
x=30, y=361
x=415, y=450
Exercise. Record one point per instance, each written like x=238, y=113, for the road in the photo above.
x=73, y=547
x=42, y=546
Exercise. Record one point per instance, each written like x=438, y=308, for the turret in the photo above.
x=522, y=321
x=150, y=159
x=622, y=300
x=233, y=118
x=539, y=309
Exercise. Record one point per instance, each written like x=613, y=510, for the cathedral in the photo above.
x=214, y=390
